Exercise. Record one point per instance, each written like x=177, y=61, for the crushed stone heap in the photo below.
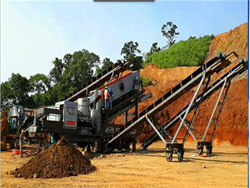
x=60, y=160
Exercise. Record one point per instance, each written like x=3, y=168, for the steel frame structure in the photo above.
x=215, y=116
x=216, y=64
x=172, y=146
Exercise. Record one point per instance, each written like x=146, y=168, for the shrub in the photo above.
x=191, y=52
x=145, y=81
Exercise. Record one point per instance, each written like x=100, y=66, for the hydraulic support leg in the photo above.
x=170, y=148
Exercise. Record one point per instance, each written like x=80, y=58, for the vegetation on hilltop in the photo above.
x=191, y=52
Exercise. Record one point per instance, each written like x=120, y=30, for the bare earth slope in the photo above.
x=234, y=40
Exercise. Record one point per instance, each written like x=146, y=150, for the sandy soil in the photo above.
x=227, y=168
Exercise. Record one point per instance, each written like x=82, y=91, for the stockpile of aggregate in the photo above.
x=60, y=160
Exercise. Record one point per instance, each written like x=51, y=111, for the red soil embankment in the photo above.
x=234, y=40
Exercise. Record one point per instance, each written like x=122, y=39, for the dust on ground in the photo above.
x=227, y=168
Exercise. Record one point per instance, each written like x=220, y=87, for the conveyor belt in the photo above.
x=238, y=69
x=216, y=64
x=97, y=81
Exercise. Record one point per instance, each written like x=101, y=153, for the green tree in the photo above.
x=72, y=72
x=130, y=49
x=106, y=63
x=57, y=71
x=82, y=68
x=169, y=31
x=16, y=89
x=67, y=74
x=6, y=92
x=129, y=52
x=154, y=48
x=39, y=83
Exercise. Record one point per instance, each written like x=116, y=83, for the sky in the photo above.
x=33, y=33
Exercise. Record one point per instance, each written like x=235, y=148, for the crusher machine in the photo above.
x=82, y=116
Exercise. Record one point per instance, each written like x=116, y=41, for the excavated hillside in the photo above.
x=233, y=124
x=234, y=40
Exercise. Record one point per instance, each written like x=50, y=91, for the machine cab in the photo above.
x=13, y=122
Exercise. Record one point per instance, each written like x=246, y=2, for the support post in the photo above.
x=223, y=102
x=190, y=133
x=214, y=110
x=188, y=109
x=195, y=112
x=21, y=144
x=126, y=117
x=112, y=75
x=155, y=129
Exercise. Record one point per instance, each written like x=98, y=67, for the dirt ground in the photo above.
x=227, y=168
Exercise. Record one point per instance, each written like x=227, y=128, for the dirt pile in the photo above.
x=60, y=160
x=234, y=40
